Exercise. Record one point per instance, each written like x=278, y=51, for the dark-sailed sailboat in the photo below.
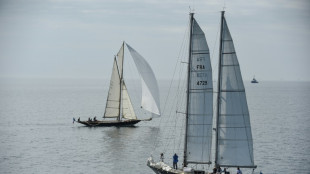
x=119, y=106
x=233, y=137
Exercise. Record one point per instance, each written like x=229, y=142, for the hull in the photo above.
x=162, y=168
x=160, y=171
x=109, y=123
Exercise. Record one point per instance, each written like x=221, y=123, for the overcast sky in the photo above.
x=78, y=38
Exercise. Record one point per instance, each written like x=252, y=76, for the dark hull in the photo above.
x=109, y=123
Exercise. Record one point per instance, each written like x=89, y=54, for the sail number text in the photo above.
x=202, y=82
x=200, y=67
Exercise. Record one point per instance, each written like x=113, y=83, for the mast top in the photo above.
x=223, y=11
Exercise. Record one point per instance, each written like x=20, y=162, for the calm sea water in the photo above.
x=37, y=134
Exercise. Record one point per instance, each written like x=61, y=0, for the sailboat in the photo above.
x=119, y=107
x=233, y=137
x=254, y=80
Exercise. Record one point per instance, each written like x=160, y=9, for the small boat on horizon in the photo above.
x=119, y=110
x=254, y=80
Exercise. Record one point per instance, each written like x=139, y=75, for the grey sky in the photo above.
x=78, y=38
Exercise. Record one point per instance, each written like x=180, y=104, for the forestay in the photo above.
x=235, y=144
x=150, y=91
x=200, y=100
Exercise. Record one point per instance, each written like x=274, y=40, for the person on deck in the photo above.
x=239, y=171
x=219, y=170
x=95, y=118
x=214, y=170
x=175, y=161
x=162, y=157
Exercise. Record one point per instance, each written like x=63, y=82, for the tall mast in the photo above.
x=121, y=85
x=219, y=90
x=188, y=85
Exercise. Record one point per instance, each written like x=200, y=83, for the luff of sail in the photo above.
x=234, y=137
x=150, y=91
x=200, y=99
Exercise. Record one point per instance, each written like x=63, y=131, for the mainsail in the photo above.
x=150, y=91
x=200, y=99
x=234, y=137
x=113, y=101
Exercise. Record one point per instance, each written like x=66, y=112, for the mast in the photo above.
x=219, y=90
x=188, y=85
x=121, y=85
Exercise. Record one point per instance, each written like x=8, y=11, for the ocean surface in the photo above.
x=37, y=134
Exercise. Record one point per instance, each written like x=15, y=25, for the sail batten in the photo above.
x=234, y=137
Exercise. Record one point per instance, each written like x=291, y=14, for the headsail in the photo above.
x=150, y=91
x=200, y=99
x=127, y=109
x=234, y=143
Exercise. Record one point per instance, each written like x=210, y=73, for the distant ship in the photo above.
x=254, y=80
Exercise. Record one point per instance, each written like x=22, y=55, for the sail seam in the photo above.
x=200, y=53
x=232, y=90
x=231, y=65
x=233, y=114
x=202, y=114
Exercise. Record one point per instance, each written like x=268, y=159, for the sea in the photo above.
x=37, y=133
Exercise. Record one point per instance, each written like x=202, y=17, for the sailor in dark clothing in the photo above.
x=214, y=170
x=175, y=161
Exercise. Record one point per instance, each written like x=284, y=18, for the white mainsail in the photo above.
x=127, y=109
x=235, y=144
x=112, y=109
x=200, y=100
x=150, y=91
